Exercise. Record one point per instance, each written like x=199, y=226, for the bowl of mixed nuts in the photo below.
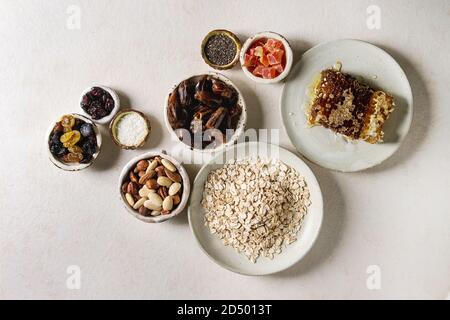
x=73, y=142
x=154, y=187
x=205, y=112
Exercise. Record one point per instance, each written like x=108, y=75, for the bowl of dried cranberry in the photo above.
x=99, y=103
x=266, y=57
x=73, y=142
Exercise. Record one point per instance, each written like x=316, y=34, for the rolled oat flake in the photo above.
x=220, y=50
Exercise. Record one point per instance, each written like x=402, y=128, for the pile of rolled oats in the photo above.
x=256, y=206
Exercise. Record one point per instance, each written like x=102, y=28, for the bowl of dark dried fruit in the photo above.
x=154, y=187
x=73, y=142
x=205, y=112
x=99, y=103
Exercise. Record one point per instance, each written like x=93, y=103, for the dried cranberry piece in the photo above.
x=109, y=105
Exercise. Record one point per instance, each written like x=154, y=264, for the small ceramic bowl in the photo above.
x=268, y=35
x=240, y=125
x=108, y=118
x=181, y=171
x=113, y=129
x=228, y=34
x=73, y=166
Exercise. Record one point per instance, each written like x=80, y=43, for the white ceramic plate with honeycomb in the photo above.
x=368, y=63
x=226, y=256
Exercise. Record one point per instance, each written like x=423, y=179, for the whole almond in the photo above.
x=164, y=181
x=174, y=176
x=152, y=184
x=139, y=203
x=153, y=165
x=142, y=165
x=124, y=187
x=151, y=206
x=132, y=188
x=144, y=191
x=155, y=213
x=133, y=177
x=168, y=165
x=174, y=188
x=129, y=199
x=176, y=199
x=167, y=203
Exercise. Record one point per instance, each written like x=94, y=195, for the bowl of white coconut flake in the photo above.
x=129, y=129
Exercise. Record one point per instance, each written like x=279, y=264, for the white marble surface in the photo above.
x=395, y=216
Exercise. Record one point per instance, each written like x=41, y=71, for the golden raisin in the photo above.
x=69, y=139
x=68, y=121
x=75, y=149
x=73, y=157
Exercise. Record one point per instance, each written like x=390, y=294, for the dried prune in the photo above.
x=86, y=129
x=55, y=137
x=86, y=158
x=57, y=150
x=89, y=148
x=92, y=139
x=78, y=124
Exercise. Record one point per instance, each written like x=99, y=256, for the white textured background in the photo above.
x=396, y=216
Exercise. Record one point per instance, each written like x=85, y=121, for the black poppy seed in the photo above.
x=220, y=50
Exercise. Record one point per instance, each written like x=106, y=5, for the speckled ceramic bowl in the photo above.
x=73, y=166
x=240, y=125
x=184, y=197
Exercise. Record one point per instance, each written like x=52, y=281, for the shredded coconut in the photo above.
x=131, y=129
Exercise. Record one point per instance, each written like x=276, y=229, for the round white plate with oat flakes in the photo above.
x=226, y=256
x=371, y=65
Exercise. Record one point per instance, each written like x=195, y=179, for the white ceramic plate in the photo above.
x=375, y=67
x=227, y=257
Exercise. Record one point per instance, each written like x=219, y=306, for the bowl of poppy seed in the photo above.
x=73, y=142
x=220, y=49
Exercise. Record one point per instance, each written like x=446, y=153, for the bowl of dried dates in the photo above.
x=99, y=103
x=73, y=142
x=154, y=187
x=205, y=112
